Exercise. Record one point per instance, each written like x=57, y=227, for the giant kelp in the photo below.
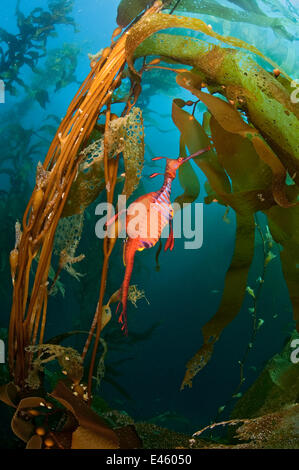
x=28, y=46
x=54, y=179
x=251, y=126
x=249, y=12
x=275, y=388
x=276, y=430
x=59, y=68
x=53, y=182
x=234, y=75
x=241, y=82
x=249, y=88
x=252, y=14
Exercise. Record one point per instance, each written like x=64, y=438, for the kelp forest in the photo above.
x=73, y=319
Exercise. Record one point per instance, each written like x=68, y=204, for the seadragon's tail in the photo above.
x=129, y=256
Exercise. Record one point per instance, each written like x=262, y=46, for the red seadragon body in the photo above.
x=158, y=212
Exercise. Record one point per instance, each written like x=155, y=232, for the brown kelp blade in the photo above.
x=24, y=428
x=9, y=394
x=92, y=432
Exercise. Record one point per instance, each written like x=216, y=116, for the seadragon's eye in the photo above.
x=180, y=159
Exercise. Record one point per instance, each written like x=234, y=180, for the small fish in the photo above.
x=237, y=395
x=226, y=219
x=270, y=257
x=250, y=291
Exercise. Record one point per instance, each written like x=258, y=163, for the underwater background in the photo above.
x=143, y=371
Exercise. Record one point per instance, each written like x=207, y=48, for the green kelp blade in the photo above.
x=245, y=201
x=187, y=176
x=284, y=227
x=230, y=72
x=206, y=123
x=190, y=184
x=188, y=180
x=194, y=6
x=232, y=297
x=249, y=15
x=253, y=190
x=249, y=202
x=279, y=172
x=250, y=176
x=240, y=160
x=248, y=6
x=195, y=139
x=158, y=21
x=277, y=383
x=231, y=121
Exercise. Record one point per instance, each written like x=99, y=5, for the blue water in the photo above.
x=186, y=292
